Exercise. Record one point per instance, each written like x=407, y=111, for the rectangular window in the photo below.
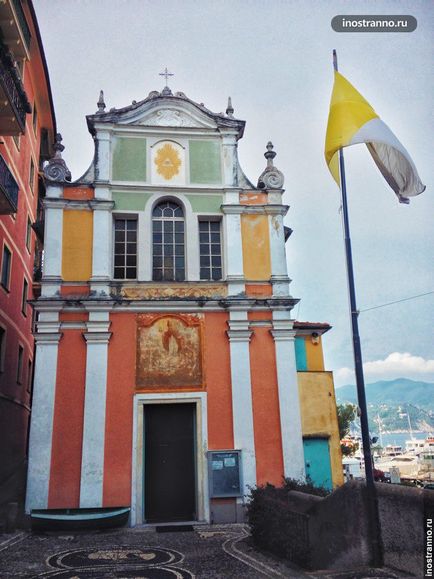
x=35, y=118
x=2, y=348
x=210, y=250
x=29, y=234
x=24, y=298
x=20, y=364
x=32, y=174
x=6, y=267
x=125, y=250
x=29, y=375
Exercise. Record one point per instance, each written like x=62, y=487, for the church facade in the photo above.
x=170, y=374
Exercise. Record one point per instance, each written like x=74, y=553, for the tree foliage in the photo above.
x=346, y=415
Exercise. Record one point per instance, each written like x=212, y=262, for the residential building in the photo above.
x=27, y=127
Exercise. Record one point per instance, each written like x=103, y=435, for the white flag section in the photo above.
x=352, y=120
x=392, y=158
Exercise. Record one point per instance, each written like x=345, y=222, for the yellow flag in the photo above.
x=352, y=120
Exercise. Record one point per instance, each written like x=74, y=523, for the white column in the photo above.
x=233, y=250
x=41, y=426
x=102, y=166
x=242, y=407
x=230, y=163
x=102, y=247
x=52, y=267
x=279, y=269
x=289, y=402
x=92, y=461
x=144, y=246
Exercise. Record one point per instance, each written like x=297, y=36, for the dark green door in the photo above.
x=170, y=486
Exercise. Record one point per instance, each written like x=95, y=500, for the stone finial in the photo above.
x=166, y=91
x=271, y=177
x=100, y=104
x=230, y=108
x=56, y=169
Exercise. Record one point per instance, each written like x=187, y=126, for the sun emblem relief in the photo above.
x=167, y=161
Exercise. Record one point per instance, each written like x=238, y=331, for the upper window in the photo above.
x=6, y=267
x=2, y=348
x=29, y=234
x=35, y=118
x=125, y=257
x=32, y=174
x=210, y=250
x=168, y=242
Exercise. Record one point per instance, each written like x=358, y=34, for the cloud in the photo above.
x=395, y=365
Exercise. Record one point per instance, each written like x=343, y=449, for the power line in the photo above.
x=397, y=302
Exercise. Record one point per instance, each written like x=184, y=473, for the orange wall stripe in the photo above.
x=78, y=193
x=266, y=416
x=64, y=489
x=218, y=378
x=119, y=411
x=77, y=245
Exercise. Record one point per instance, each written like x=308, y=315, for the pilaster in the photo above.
x=242, y=408
x=102, y=247
x=289, y=402
x=52, y=268
x=92, y=463
x=234, y=249
x=41, y=430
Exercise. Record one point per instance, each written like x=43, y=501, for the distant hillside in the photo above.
x=392, y=392
x=392, y=400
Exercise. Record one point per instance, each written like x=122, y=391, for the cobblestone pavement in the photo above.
x=142, y=553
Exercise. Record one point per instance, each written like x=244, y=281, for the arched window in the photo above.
x=168, y=242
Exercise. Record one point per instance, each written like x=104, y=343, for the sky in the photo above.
x=275, y=60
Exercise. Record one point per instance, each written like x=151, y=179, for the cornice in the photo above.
x=255, y=209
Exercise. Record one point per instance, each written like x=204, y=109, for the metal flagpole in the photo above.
x=358, y=364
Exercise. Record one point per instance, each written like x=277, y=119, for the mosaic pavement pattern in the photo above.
x=119, y=562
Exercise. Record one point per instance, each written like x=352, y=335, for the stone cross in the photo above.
x=166, y=74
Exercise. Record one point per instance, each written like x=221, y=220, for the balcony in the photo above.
x=14, y=27
x=8, y=190
x=13, y=99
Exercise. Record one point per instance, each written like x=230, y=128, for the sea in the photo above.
x=399, y=438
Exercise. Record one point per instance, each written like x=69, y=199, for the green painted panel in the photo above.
x=300, y=353
x=130, y=201
x=317, y=462
x=129, y=159
x=205, y=203
x=205, y=165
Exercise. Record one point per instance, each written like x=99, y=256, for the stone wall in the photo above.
x=339, y=536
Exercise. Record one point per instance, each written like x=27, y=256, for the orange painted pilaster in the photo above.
x=218, y=378
x=266, y=416
x=119, y=411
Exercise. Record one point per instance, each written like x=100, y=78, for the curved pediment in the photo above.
x=164, y=110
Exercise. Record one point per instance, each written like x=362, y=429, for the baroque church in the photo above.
x=170, y=374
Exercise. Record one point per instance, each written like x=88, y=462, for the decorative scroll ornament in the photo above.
x=56, y=169
x=167, y=161
x=271, y=177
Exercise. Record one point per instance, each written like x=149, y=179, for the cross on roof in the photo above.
x=166, y=74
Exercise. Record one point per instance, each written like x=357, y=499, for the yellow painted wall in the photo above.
x=319, y=415
x=314, y=355
x=77, y=245
x=256, y=247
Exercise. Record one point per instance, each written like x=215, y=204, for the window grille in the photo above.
x=168, y=242
x=125, y=251
x=210, y=250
